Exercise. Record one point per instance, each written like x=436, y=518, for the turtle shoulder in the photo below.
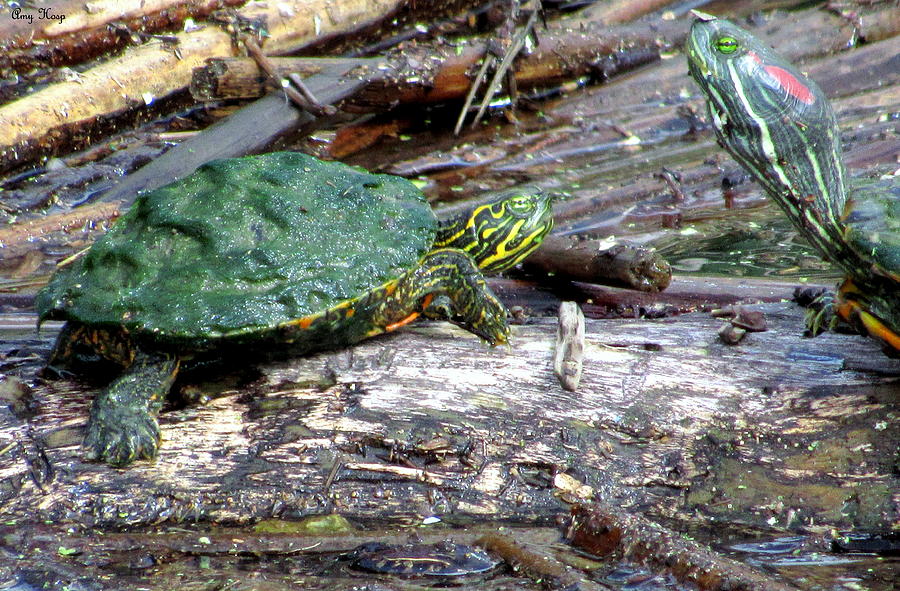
x=873, y=224
x=243, y=245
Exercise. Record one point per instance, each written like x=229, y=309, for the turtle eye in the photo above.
x=726, y=45
x=520, y=205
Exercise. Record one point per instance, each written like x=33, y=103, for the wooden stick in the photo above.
x=593, y=261
x=602, y=529
x=49, y=117
x=568, y=359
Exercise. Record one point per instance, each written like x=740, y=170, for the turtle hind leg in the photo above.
x=122, y=427
x=450, y=276
x=94, y=353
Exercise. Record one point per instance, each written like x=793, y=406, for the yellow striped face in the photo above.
x=502, y=233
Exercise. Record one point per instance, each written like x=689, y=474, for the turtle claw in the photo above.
x=492, y=326
x=820, y=313
x=820, y=318
x=122, y=438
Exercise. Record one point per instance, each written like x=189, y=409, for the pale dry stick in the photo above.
x=568, y=360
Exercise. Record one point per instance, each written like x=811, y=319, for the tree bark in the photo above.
x=53, y=116
x=777, y=430
x=594, y=261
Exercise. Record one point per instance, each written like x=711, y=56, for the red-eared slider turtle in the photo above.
x=280, y=252
x=779, y=126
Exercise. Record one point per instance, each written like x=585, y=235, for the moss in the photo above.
x=317, y=525
x=245, y=243
x=756, y=493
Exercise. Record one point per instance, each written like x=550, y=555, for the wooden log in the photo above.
x=602, y=529
x=595, y=261
x=777, y=430
x=19, y=239
x=71, y=32
x=48, y=118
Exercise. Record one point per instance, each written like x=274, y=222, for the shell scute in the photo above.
x=244, y=245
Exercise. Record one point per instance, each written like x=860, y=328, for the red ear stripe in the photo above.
x=790, y=83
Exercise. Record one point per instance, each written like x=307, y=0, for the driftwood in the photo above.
x=55, y=115
x=593, y=261
x=666, y=418
x=602, y=529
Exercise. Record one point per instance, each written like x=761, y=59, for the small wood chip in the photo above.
x=731, y=334
x=740, y=322
x=568, y=360
x=750, y=320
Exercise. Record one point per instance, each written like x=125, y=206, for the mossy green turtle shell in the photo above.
x=244, y=244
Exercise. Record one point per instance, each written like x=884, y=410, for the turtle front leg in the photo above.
x=450, y=276
x=122, y=427
x=820, y=309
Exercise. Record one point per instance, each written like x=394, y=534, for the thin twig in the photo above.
x=304, y=98
x=511, y=54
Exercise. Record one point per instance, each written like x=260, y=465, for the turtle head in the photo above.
x=775, y=122
x=499, y=234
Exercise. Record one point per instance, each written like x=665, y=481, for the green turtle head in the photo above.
x=499, y=234
x=774, y=120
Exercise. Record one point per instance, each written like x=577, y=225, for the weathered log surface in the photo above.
x=595, y=261
x=777, y=431
x=64, y=113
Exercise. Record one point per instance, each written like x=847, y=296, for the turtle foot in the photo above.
x=820, y=316
x=446, y=285
x=121, y=437
x=123, y=426
x=491, y=323
x=820, y=312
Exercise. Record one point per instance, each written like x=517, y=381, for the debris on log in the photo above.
x=779, y=430
x=595, y=261
x=568, y=357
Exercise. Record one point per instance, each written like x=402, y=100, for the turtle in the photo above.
x=277, y=254
x=779, y=125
